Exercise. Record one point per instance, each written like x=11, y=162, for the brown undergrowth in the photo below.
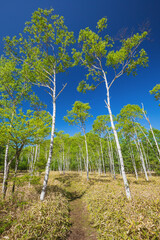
x=111, y=214
x=23, y=216
x=116, y=218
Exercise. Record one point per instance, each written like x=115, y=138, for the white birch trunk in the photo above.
x=133, y=161
x=4, y=185
x=63, y=162
x=149, y=142
x=151, y=131
x=141, y=157
x=86, y=155
x=6, y=165
x=126, y=185
x=112, y=158
x=36, y=155
x=99, y=164
x=51, y=143
x=145, y=157
x=102, y=156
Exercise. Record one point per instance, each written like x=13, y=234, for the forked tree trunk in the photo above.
x=126, y=185
x=51, y=144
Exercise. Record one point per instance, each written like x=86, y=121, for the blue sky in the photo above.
x=86, y=13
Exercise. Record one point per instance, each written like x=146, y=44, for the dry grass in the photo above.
x=112, y=215
x=115, y=217
x=31, y=219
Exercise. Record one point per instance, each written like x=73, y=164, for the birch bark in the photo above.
x=158, y=149
x=102, y=156
x=126, y=185
x=43, y=192
x=133, y=161
x=86, y=154
x=6, y=164
x=141, y=157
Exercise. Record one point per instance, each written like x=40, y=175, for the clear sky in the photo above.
x=86, y=13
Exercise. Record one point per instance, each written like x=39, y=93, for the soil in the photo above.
x=80, y=229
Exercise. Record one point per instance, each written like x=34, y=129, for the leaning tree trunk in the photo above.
x=145, y=157
x=157, y=155
x=126, y=185
x=51, y=143
x=141, y=157
x=151, y=131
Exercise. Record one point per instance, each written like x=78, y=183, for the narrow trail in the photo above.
x=75, y=188
x=80, y=229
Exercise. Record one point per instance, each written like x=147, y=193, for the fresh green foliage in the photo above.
x=97, y=55
x=100, y=124
x=79, y=114
x=128, y=116
x=42, y=47
x=156, y=92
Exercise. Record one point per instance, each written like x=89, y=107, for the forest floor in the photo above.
x=81, y=228
x=75, y=189
x=77, y=209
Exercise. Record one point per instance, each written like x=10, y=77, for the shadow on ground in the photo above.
x=66, y=180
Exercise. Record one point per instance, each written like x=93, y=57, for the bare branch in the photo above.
x=99, y=84
x=61, y=91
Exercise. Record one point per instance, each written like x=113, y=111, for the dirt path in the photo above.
x=81, y=229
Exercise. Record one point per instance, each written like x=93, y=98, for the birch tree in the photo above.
x=27, y=129
x=78, y=116
x=99, y=127
x=128, y=117
x=97, y=56
x=13, y=90
x=43, y=51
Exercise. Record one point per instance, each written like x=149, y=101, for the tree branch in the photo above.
x=61, y=91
